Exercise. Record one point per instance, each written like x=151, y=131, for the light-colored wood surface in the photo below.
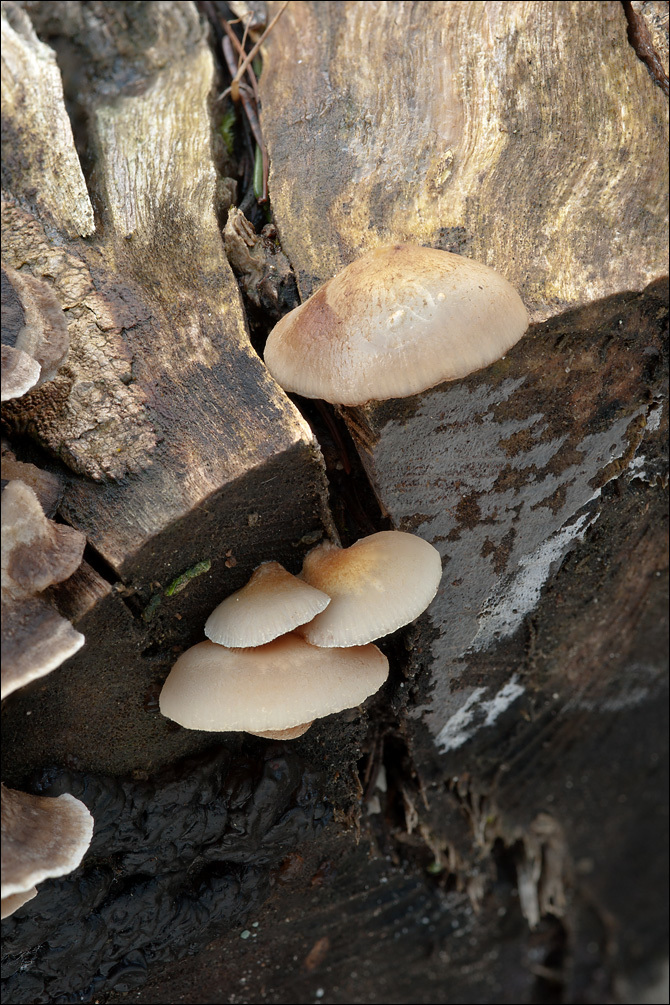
x=39, y=160
x=525, y=135
x=163, y=402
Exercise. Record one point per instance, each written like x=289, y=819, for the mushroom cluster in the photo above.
x=42, y=837
x=35, y=553
x=285, y=650
x=34, y=333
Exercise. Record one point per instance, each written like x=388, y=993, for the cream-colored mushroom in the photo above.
x=282, y=685
x=379, y=584
x=395, y=322
x=271, y=604
x=17, y=900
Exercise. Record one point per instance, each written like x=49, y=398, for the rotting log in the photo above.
x=178, y=450
x=515, y=134
x=473, y=873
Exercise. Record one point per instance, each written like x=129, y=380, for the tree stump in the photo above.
x=489, y=827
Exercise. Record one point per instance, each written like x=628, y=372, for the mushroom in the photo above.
x=34, y=333
x=271, y=604
x=282, y=685
x=42, y=837
x=35, y=553
x=379, y=584
x=46, y=485
x=17, y=900
x=35, y=641
x=20, y=372
x=395, y=322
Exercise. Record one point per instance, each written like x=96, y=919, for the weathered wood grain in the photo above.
x=524, y=717
x=161, y=378
x=504, y=471
x=40, y=165
x=525, y=135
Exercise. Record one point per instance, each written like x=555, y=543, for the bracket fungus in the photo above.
x=395, y=322
x=35, y=553
x=271, y=604
x=282, y=685
x=376, y=586
x=34, y=333
x=47, y=486
x=42, y=837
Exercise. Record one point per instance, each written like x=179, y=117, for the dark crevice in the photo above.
x=100, y=565
x=641, y=41
x=353, y=503
x=354, y=506
x=243, y=155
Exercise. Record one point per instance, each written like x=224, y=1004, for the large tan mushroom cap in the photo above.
x=42, y=837
x=271, y=604
x=393, y=323
x=379, y=584
x=272, y=687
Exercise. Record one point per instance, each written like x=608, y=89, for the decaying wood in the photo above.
x=181, y=453
x=526, y=135
x=648, y=34
x=505, y=836
x=515, y=135
x=505, y=470
x=39, y=164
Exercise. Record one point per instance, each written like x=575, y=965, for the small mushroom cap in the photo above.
x=379, y=584
x=17, y=900
x=272, y=687
x=393, y=323
x=271, y=604
x=42, y=837
x=36, y=552
x=35, y=641
x=20, y=372
x=33, y=321
x=45, y=484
